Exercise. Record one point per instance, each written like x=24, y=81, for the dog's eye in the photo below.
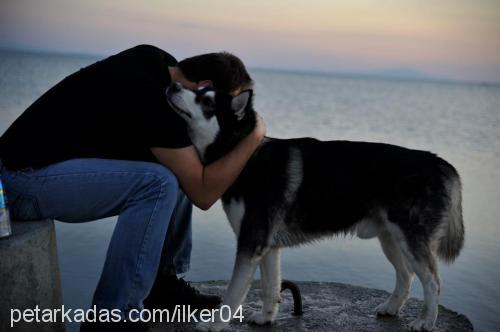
x=207, y=101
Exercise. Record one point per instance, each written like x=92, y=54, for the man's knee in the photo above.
x=157, y=176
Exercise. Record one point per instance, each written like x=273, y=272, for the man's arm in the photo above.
x=205, y=184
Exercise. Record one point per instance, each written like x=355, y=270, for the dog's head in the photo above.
x=216, y=121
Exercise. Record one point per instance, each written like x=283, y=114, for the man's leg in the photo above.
x=168, y=290
x=176, y=253
x=143, y=194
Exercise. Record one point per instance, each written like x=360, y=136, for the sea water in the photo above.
x=459, y=121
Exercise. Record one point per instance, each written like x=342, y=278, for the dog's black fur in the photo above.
x=343, y=182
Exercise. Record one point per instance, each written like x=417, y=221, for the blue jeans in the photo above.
x=153, y=231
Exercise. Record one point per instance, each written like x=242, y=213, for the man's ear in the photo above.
x=240, y=102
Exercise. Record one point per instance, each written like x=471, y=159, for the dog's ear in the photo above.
x=240, y=102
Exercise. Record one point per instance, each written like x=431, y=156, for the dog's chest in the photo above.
x=235, y=210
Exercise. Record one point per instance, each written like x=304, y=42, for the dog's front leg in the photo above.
x=244, y=269
x=271, y=287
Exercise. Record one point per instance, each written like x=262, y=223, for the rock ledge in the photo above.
x=330, y=306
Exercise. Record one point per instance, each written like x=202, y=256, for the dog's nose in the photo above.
x=175, y=87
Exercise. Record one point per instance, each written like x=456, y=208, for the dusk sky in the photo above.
x=451, y=39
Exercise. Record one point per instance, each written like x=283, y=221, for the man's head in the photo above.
x=223, y=71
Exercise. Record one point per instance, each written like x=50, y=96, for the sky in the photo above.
x=449, y=39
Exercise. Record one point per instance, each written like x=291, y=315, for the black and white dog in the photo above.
x=294, y=191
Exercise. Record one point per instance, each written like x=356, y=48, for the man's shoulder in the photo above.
x=144, y=48
x=142, y=65
x=149, y=50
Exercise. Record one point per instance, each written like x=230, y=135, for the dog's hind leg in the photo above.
x=271, y=287
x=425, y=266
x=404, y=275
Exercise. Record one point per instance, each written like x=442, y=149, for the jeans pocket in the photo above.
x=24, y=208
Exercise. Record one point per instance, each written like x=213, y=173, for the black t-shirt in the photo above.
x=115, y=109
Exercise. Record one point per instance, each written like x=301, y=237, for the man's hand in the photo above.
x=204, y=185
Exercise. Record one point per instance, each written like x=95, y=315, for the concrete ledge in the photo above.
x=29, y=273
x=329, y=307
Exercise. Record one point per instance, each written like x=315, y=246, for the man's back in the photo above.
x=96, y=133
x=113, y=109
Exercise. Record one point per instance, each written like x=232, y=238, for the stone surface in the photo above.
x=330, y=307
x=29, y=273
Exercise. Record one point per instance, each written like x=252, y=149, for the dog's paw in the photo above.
x=421, y=324
x=211, y=327
x=260, y=318
x=387, y=309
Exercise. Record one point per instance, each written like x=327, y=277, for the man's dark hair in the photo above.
x=226, y=71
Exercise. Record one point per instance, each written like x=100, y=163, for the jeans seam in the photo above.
x=145, y=239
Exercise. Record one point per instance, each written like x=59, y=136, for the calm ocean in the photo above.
x=459, y=121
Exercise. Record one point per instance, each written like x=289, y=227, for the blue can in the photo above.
x=5, y=227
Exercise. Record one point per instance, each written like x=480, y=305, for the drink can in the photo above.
x=5, y=228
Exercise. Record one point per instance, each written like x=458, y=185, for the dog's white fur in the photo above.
x=202, y=131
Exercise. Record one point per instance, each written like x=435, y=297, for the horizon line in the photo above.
x=378, y=74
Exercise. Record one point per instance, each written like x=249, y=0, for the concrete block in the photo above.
x=29, y=274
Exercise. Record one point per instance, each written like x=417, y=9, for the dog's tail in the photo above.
x=451, y=234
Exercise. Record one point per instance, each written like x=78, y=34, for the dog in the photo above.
x=295, y=191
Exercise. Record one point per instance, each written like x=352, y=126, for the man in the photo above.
x=104, y=142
